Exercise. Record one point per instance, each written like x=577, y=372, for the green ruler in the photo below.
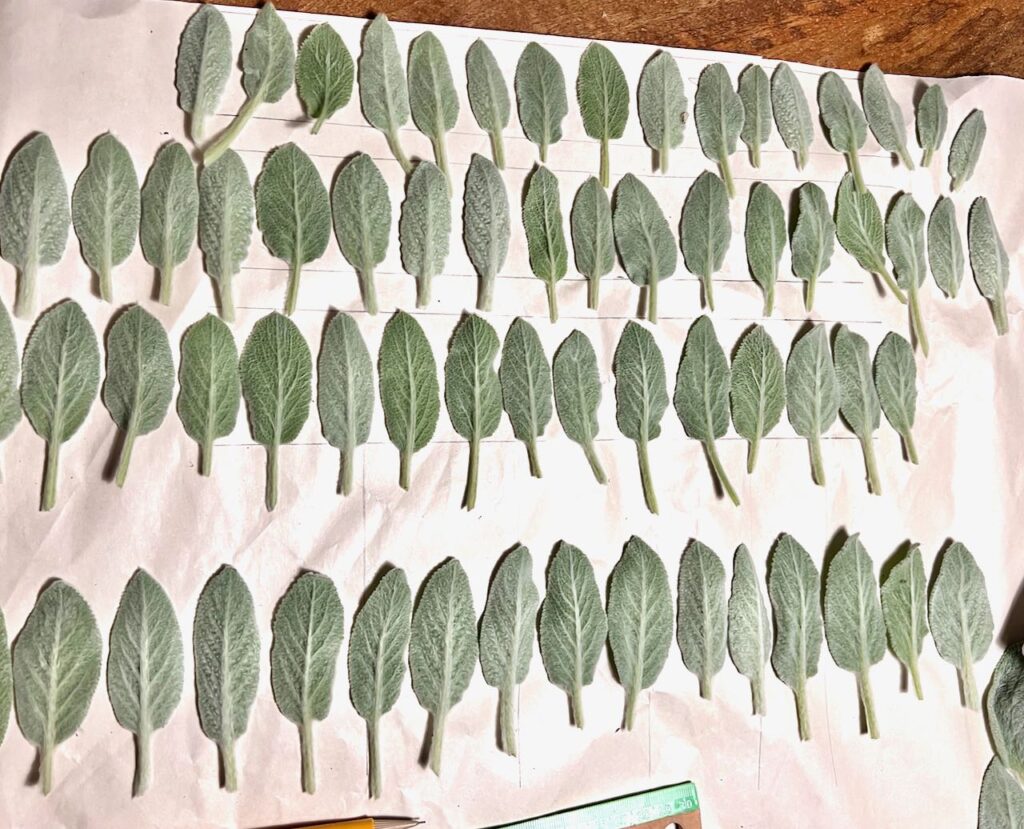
x=620, y=812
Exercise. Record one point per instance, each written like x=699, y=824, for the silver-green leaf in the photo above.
x=276, y=370
x=226, y=210
x=10, y=404
x=905, y=611
x=758, y=389
x=1003, y=706
x=432, y=98
x=424, y=227
x=506, y=635
x=308, y=628
x=577, y=388
x=1001, y=804
x=383, y=93
x=932, y=119
x=661, y=105
x=858, y=398
x=765, y=237
x=488, y=96
x=814, y=238
x=203, y=66
x=105, y=209
x=362, y=221
x=812, y=393
x=860, y=230
x=884, y=115
x=989, y=261
x=545, y=236
x=700, y=627
x=755, y=93
x=844, y=122
x=705, y=230
x=750, y=628
x=896, y=383
x=170, y=211
x=344, y=392
x=226, y=650
x=486, y=225
x=6, y=686
x=966, y=148
x=593, y=242
x=526, y=387
x=145, y=668
x=573, y=625
x=324, y=74
x=945, y=249
x=540, y=97
x=792, y=114
x=719, y=115
x=443, y=648
x=904, y=240
x=60, y=375
x=603, y=96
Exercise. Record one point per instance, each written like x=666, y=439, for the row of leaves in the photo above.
x=60, y=377
x=57, y=655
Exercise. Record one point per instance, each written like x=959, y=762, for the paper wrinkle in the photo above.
x=116, y=72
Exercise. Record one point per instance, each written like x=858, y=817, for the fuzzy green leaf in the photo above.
x=6, y=687
x=526, y=386
x=884, y=115
x=226, y=209
x=603, y=96
x=324, y=73
x=705, y=230
x=145, y=668
x=932, y=119
x=639, y=620
x=60, y=375
x=344, y=392
x=966, y=148
x=485, y=224
x=814, y=238
x=276, y=370
x=758, y=389
x=488, y=96
x=812, y=393
x=105, y=209
x=750, y=628
x=960, y=616
x=896, y=383
x=1003, y=705
x=989, y=261
x=945, y=249
x=794, y=589
x=204, y=63
x=1001, y=805
x=432, y=98
x=545, y=236
x=661, y=105
x=719, y=114
x=755, y=93
x=55, y=664
x=792, y=114
x=362, y=221
x=593, y=242
x=765, y=237
x=858, y=398
x=226, y=650
x=383, y=94
x=308, y=628
x=424, y=227
x=34, y=215
x=10, y=404
x=140, y=379
x=443, y=648
x=540, y=96
x=170, y=210
x=700, y=626
x=905, y=611
x=845, y=124
x=472, y=392
x=860, y=230
x=506, y=635
x=904, y=240
x=577, y=387
x=573, y=625
x=409, y=391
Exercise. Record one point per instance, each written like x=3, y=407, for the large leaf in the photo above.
x=603, y=96
x=904, y=240
x=383, y=93
x=965, y=150
x=486, y=225
x=362, y=221
x=719, y=114
x=945, y=249
x=755, y=93
x=10, y=404
x=860, y=230
x=814, y=238
x=424, y=227
x=884, y=115
x=226, y=209
x=203, y=66
x=905, y=611
x=750, y=628
x=526, y=386
x=765, y=237
x=545, y=236
x=577, y=388
x=705, y=230
x=758, y=389
x=488, y=96
x=540, y=96
x=593, y=242
x=700, y=626
x=812, y=393
x=858, y=398
x=661, y=105
x=845, y=125
x=896, y=382
x=932, y=119
x=989, y=261
x=432, y=98
x=324, y=73
x=792, y=114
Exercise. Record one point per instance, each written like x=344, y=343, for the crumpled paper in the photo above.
x=78, y=70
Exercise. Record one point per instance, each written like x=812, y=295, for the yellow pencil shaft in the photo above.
x=362, y=823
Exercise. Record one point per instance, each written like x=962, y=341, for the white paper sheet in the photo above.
x=77, y=69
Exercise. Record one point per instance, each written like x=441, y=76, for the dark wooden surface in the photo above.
x=917, y=37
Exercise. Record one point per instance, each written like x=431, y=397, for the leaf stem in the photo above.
x=166, y=275
x=999, y=313
x=308, y=767
x=755, y=155
x=441, y=157
x=908, y=162
x=270, y=496
x=576, y=702
x=485, y=292
x=373, y=739
x=663, y=152
x=345, y=472
x=292, y=296
x=723, y=479
x=705, y=685
x=227, y=759
x=197, y=127
x=917, y=321
x=143, y=771
x=318, y=123
x=368, y=290
x=125, y=455
x=498, y=149
x=437, y=741
x=809, y=295
x=926, y=159
x=605, y=175
x=801, y=157
x=723, y=165
x=552, y=300
x=915, y=675
x=206, y=456
x=49, y=498
x=890, y=283
x=106, y=284
x=757, y=693
x=46, y=764
x=752, y=454
x=222, y=142
x=404, y=465
x=629, y=716
x=968, y=683
x=593, y=291
x=645, y=476
x=817, y=467
x=531, y=453
x=469, y=499
x=227, y=302
x=595, y=462
x=652, y=301
x=803, y=720
x=867, y=701
x=709, y=294
x=25, y=302
x=543, y=147
x=396, y=150
x=769, y=299
x=908, y=442
x=858, y=178
x=874, y=484
x=423, y=290
x=506, y=720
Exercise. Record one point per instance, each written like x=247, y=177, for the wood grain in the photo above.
x=917, y=37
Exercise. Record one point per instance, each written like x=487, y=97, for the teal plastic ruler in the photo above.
x=620, y=812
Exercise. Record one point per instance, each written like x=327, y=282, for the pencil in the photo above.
x=371, y=823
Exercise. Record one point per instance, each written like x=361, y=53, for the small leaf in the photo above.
x=603, y=96
x=661, y=105
x=145, y=668
x=858, y=399
x=966, y=148
x=432, y=98
x=645, y=242
x=718, y=111
x=860, y=230
x=506, y=635
x=376, y=658
x=472, y=392
x=443, y=648
x=593, y=242
x=226, y=649
x=750, y=628
x=844, y=123
x=540, y=97
x=853, y=620
x=765, y=236
x=641, y=396
x=34, y=215
x=793, y=589
x=140, y=379
x=758, y=389
x=383, y=94
x=203, y=66
x=105, y=209
x=755, y=93
x=945, y=249
x=486, y=226
x=344, y=392
x=905, y=611
x=884, y=115
x=960, y=616
x=409, y=391
x=293, y=212
x=210, y=391
x=1002, y=799
x=308, y=627
x=1003, y=709
x=488, y=96
x=792, y=114
x=56, y=394
x=424, y=227
x=577, y=388
x=639, y=620
x=814, y=238
x=573, y=625
x=10, y=404
x=703, y=383
x=932, y=118
x=170, y=210
x=989, y=261
x=904, y=240
x=526, y=386
x=896, y=382
x=705, y=230
x=324, y=73
x=226, y=209
x=702, y=613
x=545, y=236
x=812, y=393
x=362, y=221
x=275, y=370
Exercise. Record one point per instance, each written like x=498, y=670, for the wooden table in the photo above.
x=917, y=37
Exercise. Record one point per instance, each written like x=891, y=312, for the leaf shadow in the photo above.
x=900, y=554
x=423, y=757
